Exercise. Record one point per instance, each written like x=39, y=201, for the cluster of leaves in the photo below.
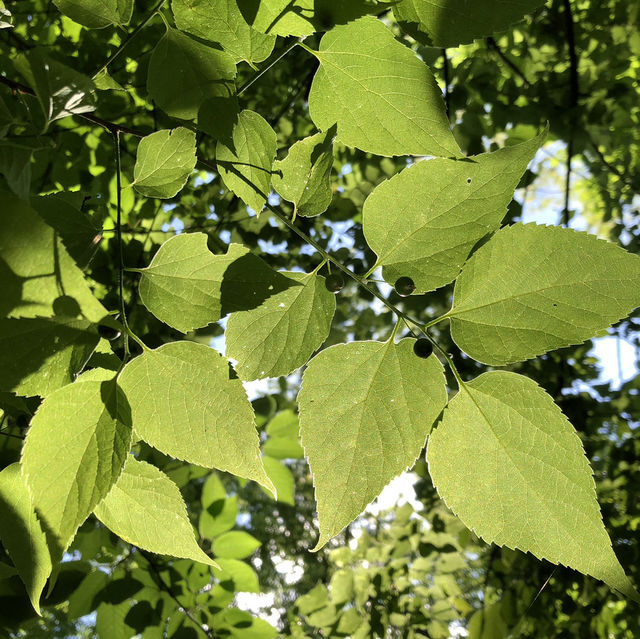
x=503, y=456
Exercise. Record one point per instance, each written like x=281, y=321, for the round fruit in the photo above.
x=423, y=348
x=108, y=332
x=334, y=282
x=404, y=286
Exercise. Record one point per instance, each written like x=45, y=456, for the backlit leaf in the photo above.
x=235, y=544
x=185, y=403
x=164, y=162
x=282, y=479
x=146, y=509
x=245, y=162
x=197, y=72
x=366, y=409
x=383, y=98
x=97, y=14
x=188, y=287
x=219, y=511
x=75, y=449
x=21, y=533
x=448, y=23
x=510, y=306
x=512, y=468
x=283, y=332
x=304, y=176
x=242, y=576
x=424, y=222
x=221, y=21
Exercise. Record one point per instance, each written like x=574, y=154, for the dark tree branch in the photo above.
x=493, y=46
x=447, y=81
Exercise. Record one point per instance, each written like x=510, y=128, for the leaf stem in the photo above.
x=260, y=73
x=128, y=39
x=309, y=49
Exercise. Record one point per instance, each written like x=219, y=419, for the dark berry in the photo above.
x=423, y=348
x=108, y=332
x=404, y=286
x=334, y=282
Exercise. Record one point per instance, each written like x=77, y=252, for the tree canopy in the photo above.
x=259, y=259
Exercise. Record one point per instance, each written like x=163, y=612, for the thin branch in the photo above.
x=260, y=73
x=567, y=182
x=493, y=45
x=447, y=81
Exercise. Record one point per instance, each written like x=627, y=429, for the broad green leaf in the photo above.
x=284, y=424
x=238, y=624
x=531, y=289
x=511, y=467
x=37, y=275
x=365, y=411
x=39, y=355
x=164, y=162
x=219, y=512
x=383, y=98
x=302, y=17
x=283, y=447
x=74, y=452
x=22, y=535
x=218, y=116
x=235, y=544
x=97, y=14
x=61, y=90
x=241, y=575
x=448, y=23
x=424, y=222
x=146, y=509
x=304, y=176
x=221, y=21
x=196, y=72
x=245, y=162
x=282, y=479
x=282, y=333
x=185, y=403
x=188, y=287
x=82, y=600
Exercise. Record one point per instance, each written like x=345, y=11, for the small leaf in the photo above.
x=383, y=98
x=164, y=162
x=283, y=332
x=235, y=544
x=424, y=222
x=39, y=355
x=196, y=72
x=512, y=468
x=283, y=448
x=221, y=21
x=75, y=449
x=453, y=22
x=186, y=404
x=22, y=535
x=531, y=289
x=365, y=411
x=245, y=163
x=146, y=509
x=97, y=14
x=242, y=576
x=219, y=512
x=282, y=479
x=188, y=287
x=304, y=176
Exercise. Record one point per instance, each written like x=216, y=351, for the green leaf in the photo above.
x=164, y=162
x=383, y=98
x=304, y=176
x=185, y=403
x=282, y=479
x=37, y=275
x=242, y=576
x=188, y=287
x=218, y=116
x=424, y=222
x=302, y=17
x=284, y=424
x=97, y=14
x=235, y=544
x=38, y=355
x=219, y=512
x=245, y=162
x=365, y=411
x=145, y=508
x=61, y=90
x=74, y=452
x=21, y=534
x=531, y=289
x=453, y=22
x=282, y=333
x=283, y=448
x=221, y=21
x=239, y=624
x=512, y=468
x=196, y=72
